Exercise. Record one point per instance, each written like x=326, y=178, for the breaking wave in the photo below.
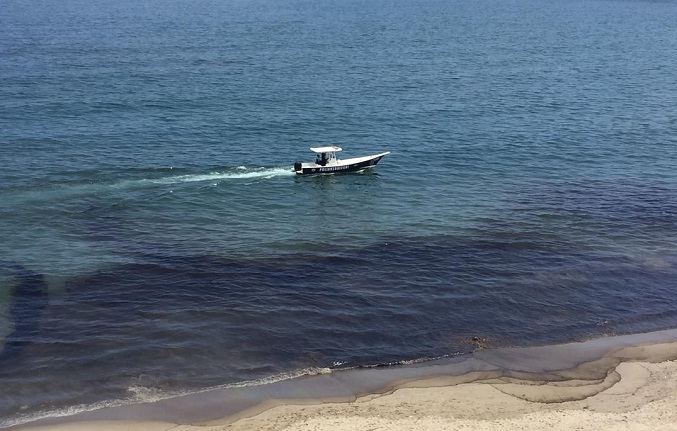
x=142, y=394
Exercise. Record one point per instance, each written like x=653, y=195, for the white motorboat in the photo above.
x=327, y=162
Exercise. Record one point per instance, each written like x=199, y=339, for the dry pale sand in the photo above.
x=633, y=396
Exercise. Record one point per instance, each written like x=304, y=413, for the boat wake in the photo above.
x=241, y=172
x=84, y=184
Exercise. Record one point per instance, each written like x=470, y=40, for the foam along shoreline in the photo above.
x=627, y=382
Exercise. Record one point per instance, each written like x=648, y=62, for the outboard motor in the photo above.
x=298, y=166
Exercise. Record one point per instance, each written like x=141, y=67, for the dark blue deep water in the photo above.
x=154, y=240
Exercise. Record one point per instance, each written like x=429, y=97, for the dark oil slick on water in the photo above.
x=172, y=323
x=155, y=241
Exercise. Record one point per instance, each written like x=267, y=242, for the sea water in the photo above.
x=155, y=241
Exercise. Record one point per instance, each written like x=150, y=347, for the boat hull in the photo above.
x=349, y=165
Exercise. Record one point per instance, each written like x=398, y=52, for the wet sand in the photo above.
x=630, y=386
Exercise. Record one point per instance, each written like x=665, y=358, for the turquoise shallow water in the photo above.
x=155, y=240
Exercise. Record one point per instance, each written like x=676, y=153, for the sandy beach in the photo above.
x=635, y=394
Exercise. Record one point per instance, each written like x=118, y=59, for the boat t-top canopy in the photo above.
x=331, y=149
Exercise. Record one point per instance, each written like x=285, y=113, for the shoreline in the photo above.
x=627, y=382
x=643, y=398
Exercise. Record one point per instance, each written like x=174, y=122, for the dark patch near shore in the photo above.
x=29, y=296
x=175, y=323
x=179, y=320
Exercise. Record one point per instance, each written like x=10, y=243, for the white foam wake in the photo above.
x=241, y=173
x=61, y=191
